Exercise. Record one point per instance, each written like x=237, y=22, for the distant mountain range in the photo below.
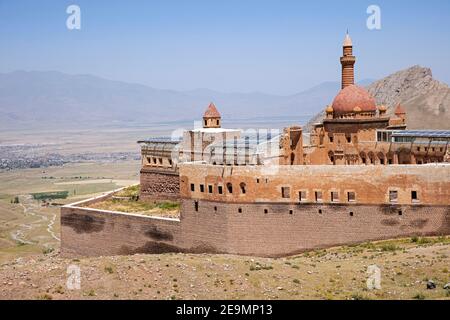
x=57, y=100
x=54, y=99
x=426, y=100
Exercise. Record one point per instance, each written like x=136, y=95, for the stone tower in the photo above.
x=211, y=118
x=348, y=62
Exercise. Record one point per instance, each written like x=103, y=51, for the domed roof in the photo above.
x=351, y=97
x=329, y=109
x=211, y=112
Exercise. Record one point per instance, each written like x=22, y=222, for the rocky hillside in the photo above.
x=408, y=268
x=426, y=100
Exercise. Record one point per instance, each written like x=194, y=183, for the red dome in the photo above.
x=351, y=97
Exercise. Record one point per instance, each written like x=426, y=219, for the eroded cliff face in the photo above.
x=426, y=100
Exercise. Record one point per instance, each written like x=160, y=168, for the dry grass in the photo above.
x=335, y=273
x=166, y=209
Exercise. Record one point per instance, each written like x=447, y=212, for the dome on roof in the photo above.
x=329, y=109
x=351, y=97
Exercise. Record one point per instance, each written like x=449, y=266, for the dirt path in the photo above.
x=31, y=209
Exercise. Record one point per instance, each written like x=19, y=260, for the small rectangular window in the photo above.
x=331, y=139
x=196, y=206
x=285, y=192
x=414, y=196
x=302, y=196
x=318, y=195
x=220, y=189
x=202, y=188
x=393, y=195
x=334, y=196
x=210, y=188
x=192, y=187
x=351, y=196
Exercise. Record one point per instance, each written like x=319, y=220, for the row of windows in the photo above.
x=303, y=194
x=433, y=149
x=229, y=188
x=266, y=211
x=318, y=195
x=159, y=161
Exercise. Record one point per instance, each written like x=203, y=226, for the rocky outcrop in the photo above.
x=426, y=100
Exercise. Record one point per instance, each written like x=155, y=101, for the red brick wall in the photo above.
x=159, y=184
x=281, y=232
x=218, y=227
x=90, y=232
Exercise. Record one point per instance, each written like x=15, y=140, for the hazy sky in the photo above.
x=270, y=46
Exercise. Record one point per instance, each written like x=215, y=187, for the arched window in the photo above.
x=229, y=187
x=363, y=157
x=243, y=187
x=331, y=157
x=381, y=158
x=371, y=157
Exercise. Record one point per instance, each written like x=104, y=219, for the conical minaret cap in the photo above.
x=347, y=41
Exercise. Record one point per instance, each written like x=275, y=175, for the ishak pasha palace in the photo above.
x=359, y=175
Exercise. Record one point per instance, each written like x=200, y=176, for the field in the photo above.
x=32, y=226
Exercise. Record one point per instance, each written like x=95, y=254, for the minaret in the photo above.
x=348, y=62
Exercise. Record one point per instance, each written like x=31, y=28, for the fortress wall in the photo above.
x=218, y=227
x=371, y=184
x=159, y=184
x=280, y=232
x=263, y=223
x=91, y=232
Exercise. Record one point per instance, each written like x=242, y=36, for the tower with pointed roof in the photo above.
x=211, y=117
x=348, y=63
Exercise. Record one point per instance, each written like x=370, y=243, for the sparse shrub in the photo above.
x=423, y=241
x=389, y=247
x=59, y=289
x=295, y=266
x=109, y=269
x=296, y=281
x=419, y=296
x=357, y=296
x=414, y=239
x=48, y=250
x=91, y=293
x=45, y=296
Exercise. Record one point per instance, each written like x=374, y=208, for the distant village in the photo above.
x=28, y=156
